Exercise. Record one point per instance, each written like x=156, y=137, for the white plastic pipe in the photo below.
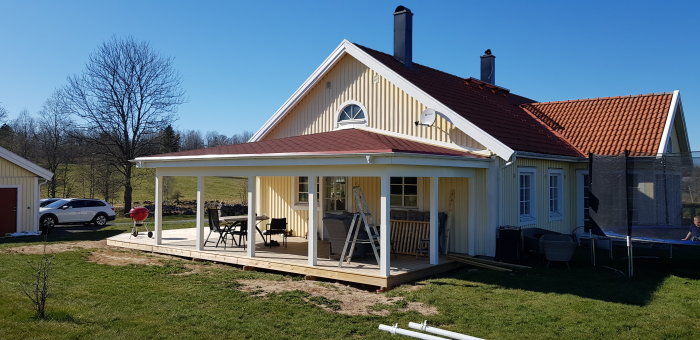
x=453, y=335
x=400, y=331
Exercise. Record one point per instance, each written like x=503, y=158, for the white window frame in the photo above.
x=300, y=205
x=526, y=219
x=418, y=195
x=351, y=123
x=559, y=214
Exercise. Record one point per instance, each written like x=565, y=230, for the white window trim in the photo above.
x=295, y=191
x=351, y=123
x=419, y=196
x=532, y=218
x=556, y=216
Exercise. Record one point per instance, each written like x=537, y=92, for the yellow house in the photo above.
x=19, y=193
x=418, y=142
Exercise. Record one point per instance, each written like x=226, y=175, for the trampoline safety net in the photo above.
x=645, y=197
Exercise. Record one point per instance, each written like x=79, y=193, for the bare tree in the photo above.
x=127, y=95
x=53, y=136
x=24, y=128
x=241, y=138
x=3, y=114
x=216, y=139
x=191, y=140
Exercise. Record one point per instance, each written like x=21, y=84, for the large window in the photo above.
x=335, y=192
x=352, y=113
x=404, y=192
x=556, y=194
x=527, y=197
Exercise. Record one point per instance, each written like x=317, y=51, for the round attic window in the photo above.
x=352, y=114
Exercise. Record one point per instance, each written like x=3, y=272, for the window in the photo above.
x=335, y=193
x=527, y=202
x=556, y=194
x=404, y=192
x=352, y=113
x=303, y=189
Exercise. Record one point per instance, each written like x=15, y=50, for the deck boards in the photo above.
x=292, y=259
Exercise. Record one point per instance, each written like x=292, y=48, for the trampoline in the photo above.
x=643, y=199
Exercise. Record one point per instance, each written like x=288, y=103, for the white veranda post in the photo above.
x=384, y=227
x=313, y=222
x=158, y=213
x=199, y=239
x=434, y=240
x=250, y=248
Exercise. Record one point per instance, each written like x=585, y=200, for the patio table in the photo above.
x=243, y=218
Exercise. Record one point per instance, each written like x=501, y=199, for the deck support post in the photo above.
x=434, y=251
x=252, y=208
x=158, y=213
x=385, y=227
x=199, y=239
x=313, y=222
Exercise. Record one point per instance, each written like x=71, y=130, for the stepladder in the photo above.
x=362, y=218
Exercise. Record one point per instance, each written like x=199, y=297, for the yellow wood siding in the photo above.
x=484, y=233
x=510, y=210
x=278, y=198
x=13, y=175
x=388, y=107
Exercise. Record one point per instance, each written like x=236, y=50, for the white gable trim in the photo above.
x=345, y=46
x=670, y=117
x=25, y=164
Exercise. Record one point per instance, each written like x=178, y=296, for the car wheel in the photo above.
x=100, y=220
x=47, y=223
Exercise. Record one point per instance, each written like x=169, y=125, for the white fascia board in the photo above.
x=25, y=164
x=345, y=46
x=312, y=160
x=307, y=85
x=670, y=116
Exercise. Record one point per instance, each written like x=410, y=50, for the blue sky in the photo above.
x=239, y=61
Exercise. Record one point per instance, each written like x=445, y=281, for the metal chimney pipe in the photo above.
x=488, y=67
x=403, y=35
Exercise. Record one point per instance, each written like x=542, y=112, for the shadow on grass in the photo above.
x=600, y=282
x=70, y=233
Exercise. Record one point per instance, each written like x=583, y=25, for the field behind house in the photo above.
x=109, y=293
x=226, y=189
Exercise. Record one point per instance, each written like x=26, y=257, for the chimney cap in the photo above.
x=487, y=53
x=401, y=9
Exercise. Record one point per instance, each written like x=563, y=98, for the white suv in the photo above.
x=75, y=211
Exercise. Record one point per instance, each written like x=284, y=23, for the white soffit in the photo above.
x=25, y=164
x=345, y=46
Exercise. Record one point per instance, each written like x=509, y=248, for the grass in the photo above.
x=227, y=189
x=98, y=301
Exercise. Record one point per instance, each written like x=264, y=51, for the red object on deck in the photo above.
x=138, y=214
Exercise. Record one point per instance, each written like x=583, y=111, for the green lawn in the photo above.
x=99, y=301
x=227, y=189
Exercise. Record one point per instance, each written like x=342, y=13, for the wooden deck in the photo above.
x=292, y=259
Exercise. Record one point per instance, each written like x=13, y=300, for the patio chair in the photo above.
x=214, y=226
x=277, y=226
x=240, y=229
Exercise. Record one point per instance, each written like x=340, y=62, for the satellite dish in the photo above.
x=427, y=117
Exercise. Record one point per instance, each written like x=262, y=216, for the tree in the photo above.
x=24, y=128
x=3, y=114
x=191, y=140
x=241, y=138
x=53, y=137
x=126, y=95
x=169, y=140
x=216, y=139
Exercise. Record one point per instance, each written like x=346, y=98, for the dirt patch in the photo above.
x=123, y=258
x=53, y=248
x=338, y=298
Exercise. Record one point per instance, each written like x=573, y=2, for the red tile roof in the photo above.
x=608, y=125
x=493, y=109
x=334, y=142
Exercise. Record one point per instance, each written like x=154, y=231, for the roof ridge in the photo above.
x=602, y=98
